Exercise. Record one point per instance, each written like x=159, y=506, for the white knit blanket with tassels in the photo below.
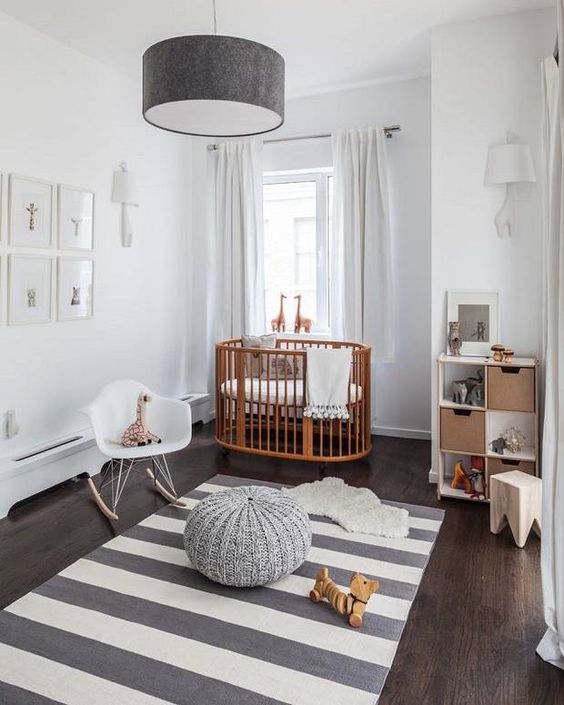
x=328, y=372
x=356, y=509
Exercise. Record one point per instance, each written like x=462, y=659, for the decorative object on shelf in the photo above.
x=354, y=604
x=508, y=164
x=213, y=85
x=460, y=480
x=508, y=355
x=29, y=289
x=75, y=288
x=137, y=433
x=459, y=391
x=498, y=350
x=454, y=338
x=475, y=387
x=477, y=313
x=515, y=440
x=30, y=212
x=279, y=323
x=498, y=445
x=300, y=321
x=75, y=218
x=124, y=191
x=247, y=536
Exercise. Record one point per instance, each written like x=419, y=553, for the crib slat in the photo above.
x=267, y=407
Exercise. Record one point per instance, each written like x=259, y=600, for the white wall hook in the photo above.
x=124, y=192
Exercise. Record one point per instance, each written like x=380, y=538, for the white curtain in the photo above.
x=551, y=647
x=239, y=227
x=362, y=306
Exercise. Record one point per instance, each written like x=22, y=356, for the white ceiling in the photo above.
x=326, y=43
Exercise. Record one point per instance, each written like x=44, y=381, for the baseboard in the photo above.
x=433, y=477
x=400, y=432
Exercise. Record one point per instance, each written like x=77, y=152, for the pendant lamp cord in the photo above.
x=214, y=19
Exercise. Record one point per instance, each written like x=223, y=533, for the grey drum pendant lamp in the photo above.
x=213, y=86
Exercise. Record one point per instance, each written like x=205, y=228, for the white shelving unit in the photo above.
x=510, y=398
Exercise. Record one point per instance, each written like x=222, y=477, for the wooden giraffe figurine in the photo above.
x=353, y=604
x=137, y=434
x=279, y=323
x=301, y=322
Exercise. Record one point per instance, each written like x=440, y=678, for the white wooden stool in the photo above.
x=515, y=497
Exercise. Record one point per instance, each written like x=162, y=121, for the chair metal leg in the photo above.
x=115, y=475
x=161, y=469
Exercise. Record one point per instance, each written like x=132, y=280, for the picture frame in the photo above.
x=30, y=212
x=75, y=218
x=75, y=288
x=478, y=315
x=29, y=289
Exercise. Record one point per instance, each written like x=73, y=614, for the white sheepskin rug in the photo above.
x=356, y=509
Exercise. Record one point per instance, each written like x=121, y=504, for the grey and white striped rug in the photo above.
x=133, y=624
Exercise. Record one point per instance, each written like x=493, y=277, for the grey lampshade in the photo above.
x=213, y=86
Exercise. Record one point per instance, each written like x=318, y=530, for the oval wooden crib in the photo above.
x=260, y=397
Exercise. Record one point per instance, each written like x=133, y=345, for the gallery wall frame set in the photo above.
x=31, y=215
x=30, y=289
x=42, y=285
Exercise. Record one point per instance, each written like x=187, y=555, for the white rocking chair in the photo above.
x=112, y=411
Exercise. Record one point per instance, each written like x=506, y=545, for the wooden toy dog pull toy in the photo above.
x=353, y=604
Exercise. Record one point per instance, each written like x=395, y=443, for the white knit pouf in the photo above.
x=247, y=536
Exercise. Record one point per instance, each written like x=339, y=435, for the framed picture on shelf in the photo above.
x=75, y=288
x=477, y=312
x=30, y=212
x=75, y=218
x=29, y=289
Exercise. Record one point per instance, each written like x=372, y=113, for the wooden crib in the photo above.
x=260, y=397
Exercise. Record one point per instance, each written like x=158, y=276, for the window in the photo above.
x=297, y=209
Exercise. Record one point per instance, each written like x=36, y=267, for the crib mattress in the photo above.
x=267, y=390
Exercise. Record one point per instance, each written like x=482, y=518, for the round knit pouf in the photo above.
x=247, y=536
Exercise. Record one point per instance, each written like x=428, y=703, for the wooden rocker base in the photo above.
x=106, y=511
x=165, y=493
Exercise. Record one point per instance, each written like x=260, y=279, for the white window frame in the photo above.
x=323, y=271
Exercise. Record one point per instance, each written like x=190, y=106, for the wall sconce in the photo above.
x=508, y=164
x=124, y=192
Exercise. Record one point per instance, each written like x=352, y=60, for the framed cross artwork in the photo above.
x=75, y=218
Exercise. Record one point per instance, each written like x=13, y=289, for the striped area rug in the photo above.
x=133, y=624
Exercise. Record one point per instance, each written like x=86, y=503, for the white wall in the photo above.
x=70, y=120
x=402, y=389
x=486, y=80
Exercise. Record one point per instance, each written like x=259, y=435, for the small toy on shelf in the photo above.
x=454, y=338
x=460, y=480
x=475, y=386
x=471, y=481
x=515, y=440
x=459, y=391
x=353, y=604
x=508, y=355
x=497, y=351
x=498, y=445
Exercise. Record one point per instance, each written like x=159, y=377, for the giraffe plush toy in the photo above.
x=353, y=604
x=136, y=434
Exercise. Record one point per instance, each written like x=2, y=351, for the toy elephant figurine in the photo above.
x=498, y=445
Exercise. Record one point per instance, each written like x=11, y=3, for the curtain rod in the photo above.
x=388, y=131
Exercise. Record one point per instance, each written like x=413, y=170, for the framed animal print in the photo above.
x=75, y=218
x=29, y=289
x=477, y=313
x=75, y=288
x=30, y=212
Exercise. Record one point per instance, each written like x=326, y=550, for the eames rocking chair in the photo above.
x=168, y=424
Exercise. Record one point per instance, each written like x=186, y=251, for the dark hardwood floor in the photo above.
x=472, y=632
